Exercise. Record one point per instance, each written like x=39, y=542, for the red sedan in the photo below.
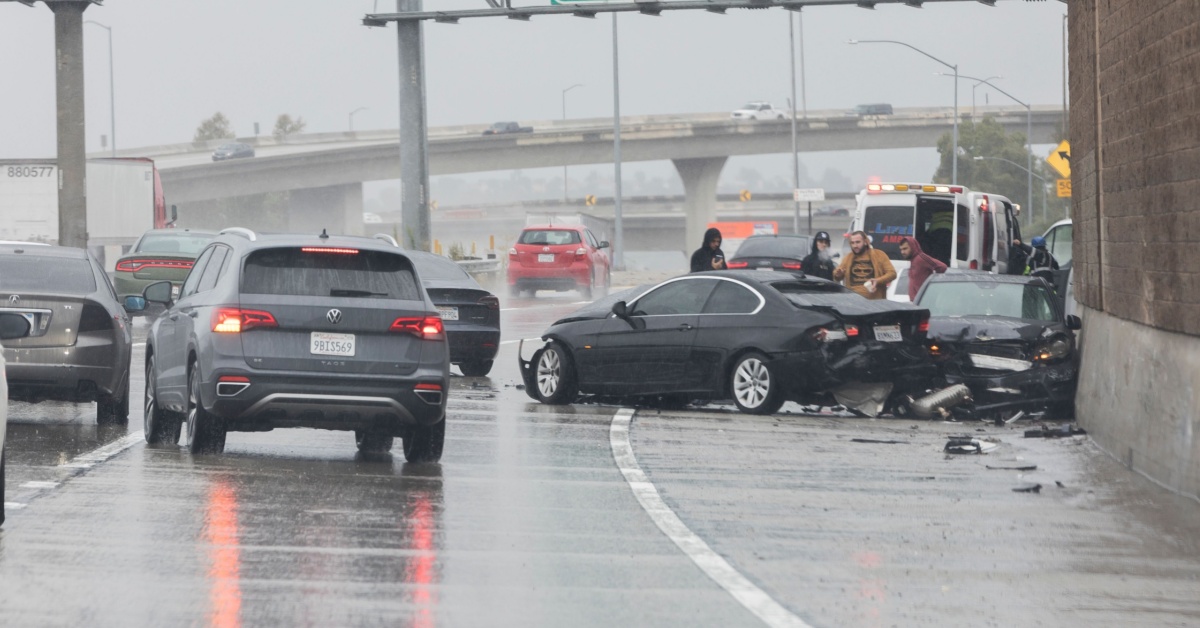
x=559, y=257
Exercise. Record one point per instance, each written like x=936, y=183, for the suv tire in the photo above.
x=204, y=435
x=423, y=443
x=373, y=442
x=161, y=426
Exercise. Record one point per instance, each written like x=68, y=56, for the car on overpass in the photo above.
x=559, y=257
x=758, y=338
x=758, y=110
x=234, y=150
x=501, y=128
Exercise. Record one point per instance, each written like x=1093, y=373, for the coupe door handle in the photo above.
x=685, y=327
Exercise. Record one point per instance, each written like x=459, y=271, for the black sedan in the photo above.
x=771, y=252
x=757, y=338
x=235, y=150
x=79, y=343
x=1006, y=338
x=470, y=313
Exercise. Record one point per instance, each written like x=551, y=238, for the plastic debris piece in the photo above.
x=1032, y=467
x=881, y=442
x=968, y=446
x=1028, y=488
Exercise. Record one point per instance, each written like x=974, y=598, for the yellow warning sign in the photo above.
x=1064, y=188
x=745, y=195
x=589, y=200
x=1060, y=160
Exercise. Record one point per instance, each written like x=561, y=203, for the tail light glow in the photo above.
x=427, y=386
x=792, y=265
x=974, y=265
x=425, y=328
x=851, y=331
x=134, y=265
x=580, y=252
x=923, y=326
x=328, y=249
x=232, y=320
x=489, y=301
x=736, y=264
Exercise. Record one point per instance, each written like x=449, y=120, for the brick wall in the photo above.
x=1135, y=159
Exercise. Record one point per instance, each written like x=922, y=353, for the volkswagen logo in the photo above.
x=14, y=299
x=334, y=316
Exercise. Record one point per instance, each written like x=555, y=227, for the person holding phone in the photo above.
x=709, y=256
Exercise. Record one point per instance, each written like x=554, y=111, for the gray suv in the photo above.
x=328, y=332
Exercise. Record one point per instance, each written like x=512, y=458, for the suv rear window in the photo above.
x=292, y=271
x=549, y=237
x=31, y=273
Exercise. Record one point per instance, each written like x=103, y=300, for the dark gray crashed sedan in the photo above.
x=79, y=344
x=1006, y=338
x=757, y=338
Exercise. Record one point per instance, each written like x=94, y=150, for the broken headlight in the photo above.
x=1054, y=349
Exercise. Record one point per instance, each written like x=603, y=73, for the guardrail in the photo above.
x=485, y=271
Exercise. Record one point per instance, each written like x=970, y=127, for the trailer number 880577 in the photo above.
x=28, y=172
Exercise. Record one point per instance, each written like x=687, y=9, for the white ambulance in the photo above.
x=962, y=228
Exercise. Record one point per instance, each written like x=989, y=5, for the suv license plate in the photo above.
x=545, y=258
x=888, y=333
x=325, y=343
x=448, y=313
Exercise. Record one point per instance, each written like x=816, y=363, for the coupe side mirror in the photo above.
x=13, y=326
x=158, y=292
x=620, y=309
x=604, y=244
x=134, y=304
x=1074, y=322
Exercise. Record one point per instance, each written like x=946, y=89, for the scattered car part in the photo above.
x=1028, y=488
x=962, y=445
x=867, y=399
x=936, y=404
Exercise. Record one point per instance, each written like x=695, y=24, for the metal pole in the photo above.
x=954, y=162
x=72, y=134
x=792, y=107
x=618, y=237
x=112, y=107
x=414, y=139
x=803, y=91
x=1029, y=158
x=352, y=116
x=564, y=117
x=1066, y=130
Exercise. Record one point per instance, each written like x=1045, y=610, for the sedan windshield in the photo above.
x=19, y=273
x=988, y=298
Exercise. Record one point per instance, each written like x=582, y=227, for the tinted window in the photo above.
x=796, y=248
x=887, y=225
x=731, y=298
x=1058, y=242
x=435, y=267
x=193, y=278
x=213, y=269
x=962, y=236
x=549, y=237
x=292, y=271
x=185, y=244
x=988, y=298
x=989, y=238
x=28, y=273
x=686, y=296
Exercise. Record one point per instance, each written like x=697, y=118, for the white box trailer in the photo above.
x=124, y=199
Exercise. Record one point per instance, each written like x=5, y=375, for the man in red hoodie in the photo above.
x=920, y=265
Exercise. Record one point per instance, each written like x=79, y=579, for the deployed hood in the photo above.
x=986, y=328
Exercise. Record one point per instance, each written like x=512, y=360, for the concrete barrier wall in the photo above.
x=1139, y=398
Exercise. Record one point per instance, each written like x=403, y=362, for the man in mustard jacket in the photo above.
x=867, y=270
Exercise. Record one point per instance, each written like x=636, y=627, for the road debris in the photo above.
x=1055, y=432
x=1032, y=467
x=1028, y=488
x=881, y=442
x=968, y=445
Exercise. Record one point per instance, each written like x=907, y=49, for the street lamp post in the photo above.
x=1028, y=138
x=352, y=116
x=112, y=107
x=792, y=108
x=977, y=84
x=1031, y=173
x=952, y=66
x=564, y=117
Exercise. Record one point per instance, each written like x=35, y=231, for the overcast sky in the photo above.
x=179, y=61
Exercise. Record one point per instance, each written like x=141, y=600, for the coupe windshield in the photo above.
x=988, y=298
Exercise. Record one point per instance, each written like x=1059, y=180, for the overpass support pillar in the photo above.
x=337, y=208
x=72, y=154
x=700, y=195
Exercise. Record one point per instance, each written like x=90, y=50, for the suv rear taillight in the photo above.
x=232, y=320
x=429, y=392
x=489, y=301
x=736, y=264
x=231, y=385
x=425, y=328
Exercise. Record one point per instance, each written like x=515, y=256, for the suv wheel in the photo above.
x=372, y=442
x=113, y=411
x=161, y=427
x=423, y=443
x=204, y=435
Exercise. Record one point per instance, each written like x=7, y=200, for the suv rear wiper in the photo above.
x=343, y=292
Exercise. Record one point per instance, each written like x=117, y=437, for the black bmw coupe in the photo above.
x=757, y=338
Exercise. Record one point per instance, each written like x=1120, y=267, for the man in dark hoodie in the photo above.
x=709, y=256
x=920, y=265
x=819, y=262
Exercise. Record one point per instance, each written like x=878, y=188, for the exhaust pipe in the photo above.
x=934, y=405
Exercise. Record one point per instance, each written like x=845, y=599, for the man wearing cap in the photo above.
x=819, y=262
x=867, y=270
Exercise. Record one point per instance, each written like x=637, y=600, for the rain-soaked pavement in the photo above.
x=529, y=521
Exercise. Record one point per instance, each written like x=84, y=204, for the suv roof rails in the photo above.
x=242, y=231
x=387, y=238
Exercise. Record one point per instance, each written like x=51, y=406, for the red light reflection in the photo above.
x=224, y=555
x=421, y=569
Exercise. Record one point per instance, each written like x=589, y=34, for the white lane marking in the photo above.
x=509, y=342
x=753, y=598
x=38, y=484
x=94, y=457
x=139, y=344
x=14, y=505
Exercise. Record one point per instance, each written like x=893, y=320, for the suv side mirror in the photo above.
x=1073, y=322
x=13, y=326
x=134, y=303
x=603, y=244
x=158, y=292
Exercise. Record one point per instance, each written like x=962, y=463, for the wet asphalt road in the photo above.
x=529, y=521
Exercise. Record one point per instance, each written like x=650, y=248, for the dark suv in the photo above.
x=329, y=332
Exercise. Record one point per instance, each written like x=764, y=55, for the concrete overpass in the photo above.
x=324, y=172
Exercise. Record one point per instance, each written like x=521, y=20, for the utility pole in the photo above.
x=414, y=138
x=72, y=135
x=618, y=236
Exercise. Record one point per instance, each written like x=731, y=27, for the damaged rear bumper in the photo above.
x=904, y=365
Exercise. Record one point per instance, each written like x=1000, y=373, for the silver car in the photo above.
x=79, y=343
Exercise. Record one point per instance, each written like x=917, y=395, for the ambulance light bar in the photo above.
x=876, y=188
